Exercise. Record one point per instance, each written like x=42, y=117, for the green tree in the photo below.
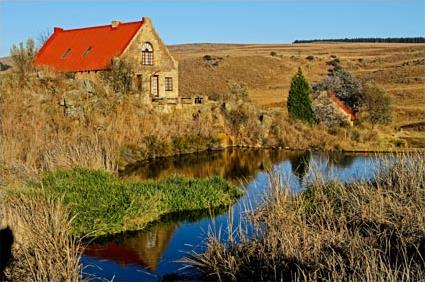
x=377, y=104
x=23, y=58
x=299, y=100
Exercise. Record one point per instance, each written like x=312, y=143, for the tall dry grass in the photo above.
x=43, y=248
x=364, y=231
x=36, y=134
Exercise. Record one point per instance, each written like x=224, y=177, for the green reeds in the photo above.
x=104, y=204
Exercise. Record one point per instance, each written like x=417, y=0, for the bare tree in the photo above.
x=42, y=38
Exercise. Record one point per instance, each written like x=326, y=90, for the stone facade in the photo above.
x=329, y=112
x=164, y=66
x=148, y=75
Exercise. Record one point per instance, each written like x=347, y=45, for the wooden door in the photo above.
x=155, y=86
x=139, y=83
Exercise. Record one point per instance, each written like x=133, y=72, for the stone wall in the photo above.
x=164, y=65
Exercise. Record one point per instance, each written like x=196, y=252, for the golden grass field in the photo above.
x=399, y=68
x=37, y=136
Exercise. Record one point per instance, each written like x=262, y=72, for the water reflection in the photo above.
x=232, y=164
x=155, y=250
x=300, y=164
x=140, y=248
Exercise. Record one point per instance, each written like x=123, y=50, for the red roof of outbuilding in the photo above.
x=86, y=49
x=346, y=109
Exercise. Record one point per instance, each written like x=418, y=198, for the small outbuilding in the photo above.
x=330, y=110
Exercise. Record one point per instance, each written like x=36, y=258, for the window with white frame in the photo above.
x=147, y=54
x=168, y=84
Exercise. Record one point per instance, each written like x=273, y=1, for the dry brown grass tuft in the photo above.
x=43, y=249
x=363, y=231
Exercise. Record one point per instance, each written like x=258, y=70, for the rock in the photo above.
x=41, y=75
x=86, y=85
x=71, y=102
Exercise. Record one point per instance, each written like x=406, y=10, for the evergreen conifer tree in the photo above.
x=299, y=101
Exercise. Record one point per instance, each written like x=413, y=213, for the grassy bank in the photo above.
x=43, y=249
x=363, y=231
x=104, y=204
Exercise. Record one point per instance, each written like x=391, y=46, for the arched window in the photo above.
x=147, y=54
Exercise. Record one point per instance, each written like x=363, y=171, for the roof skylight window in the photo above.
x=86, y=53
x=66, y=53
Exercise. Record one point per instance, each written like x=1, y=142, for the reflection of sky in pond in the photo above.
x=155, y=251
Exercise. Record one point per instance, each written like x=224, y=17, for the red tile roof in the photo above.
x=343, y=107
x=86, y=49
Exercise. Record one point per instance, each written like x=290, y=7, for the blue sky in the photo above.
x=220, y=21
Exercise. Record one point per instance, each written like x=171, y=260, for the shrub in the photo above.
x=334, y=62
x=345, y=86
x=299, y=101
x=400, y=143
x=120, y=76
x=43, y=37
x=238, y=90
x=4, y=66
x=207, y=58
x=23, y=58
x=355, y=135
x=377, y=104
x=237, y=118
x=273, y=53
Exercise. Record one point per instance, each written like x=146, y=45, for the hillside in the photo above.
x=399, y=68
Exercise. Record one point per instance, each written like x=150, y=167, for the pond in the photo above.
x=153, y=254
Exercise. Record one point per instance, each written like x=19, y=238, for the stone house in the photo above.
x=330, y=110
x=90, y=50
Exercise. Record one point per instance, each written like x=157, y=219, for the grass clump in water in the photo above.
x=104, y=204
x=334, y=231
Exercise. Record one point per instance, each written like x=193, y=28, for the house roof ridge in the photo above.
x=98, y=26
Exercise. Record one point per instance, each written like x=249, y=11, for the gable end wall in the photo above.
x=164, y=64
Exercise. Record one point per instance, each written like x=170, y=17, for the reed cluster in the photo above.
x=43, y=249
x=370, y=230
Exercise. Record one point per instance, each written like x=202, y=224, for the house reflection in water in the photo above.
x=141, y=248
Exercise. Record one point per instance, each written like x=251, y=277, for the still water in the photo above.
x=152, y=254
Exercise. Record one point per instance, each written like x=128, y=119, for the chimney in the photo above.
x=115, y=24
x=57, y=29
x=146, y=20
